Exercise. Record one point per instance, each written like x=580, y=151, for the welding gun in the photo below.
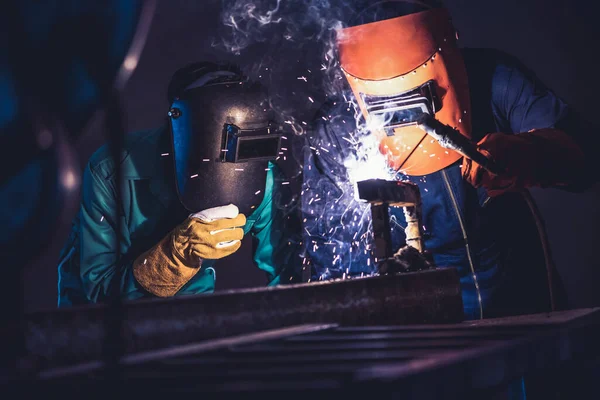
x=450, y=138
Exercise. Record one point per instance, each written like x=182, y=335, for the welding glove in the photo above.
x=539, y=158
x=207, y=235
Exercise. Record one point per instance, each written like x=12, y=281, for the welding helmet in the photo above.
x=223, y=137
x=401, y=64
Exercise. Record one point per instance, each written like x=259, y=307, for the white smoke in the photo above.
x=293, y=47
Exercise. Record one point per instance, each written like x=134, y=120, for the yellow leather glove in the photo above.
x=208, y=235
x=208, y=240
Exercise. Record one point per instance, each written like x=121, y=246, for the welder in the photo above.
x=191, y=189
x=402, y=61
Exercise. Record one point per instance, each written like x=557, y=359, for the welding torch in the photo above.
x=450, y=138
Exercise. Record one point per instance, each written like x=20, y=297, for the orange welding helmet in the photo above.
x=399, y=68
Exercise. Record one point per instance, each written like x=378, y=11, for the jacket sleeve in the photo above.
x=335, y=223
x=275, y=232
x=564, y=141
x=100, y=268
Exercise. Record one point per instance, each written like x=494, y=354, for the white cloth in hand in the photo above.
x=215, y=213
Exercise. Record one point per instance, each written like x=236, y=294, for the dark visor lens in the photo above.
x=242, y=145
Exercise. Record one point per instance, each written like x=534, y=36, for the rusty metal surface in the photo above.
x=437, y=361
x=67, y=337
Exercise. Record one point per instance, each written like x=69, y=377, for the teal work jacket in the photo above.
x=149, y=209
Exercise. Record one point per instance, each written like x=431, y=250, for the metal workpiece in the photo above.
x=68, y=337
x=382, y=194
x=471, y=359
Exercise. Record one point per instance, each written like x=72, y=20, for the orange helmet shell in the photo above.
x=396, y=55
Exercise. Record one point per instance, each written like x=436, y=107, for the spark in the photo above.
x=257, y=192
x=284, y=148
x=285, y=183
x=145, y=261
x=164, y=154
x=311, y=100
x=193, y=176
x=206, y=159
x=239, y=169
x=102, y=218
x=303, y=78
x=284, y=137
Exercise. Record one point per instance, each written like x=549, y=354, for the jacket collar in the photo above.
x=147, y=157
x=150, y=158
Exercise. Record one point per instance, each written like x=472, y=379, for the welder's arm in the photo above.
x=208, y=235
x=546, y=157
x=276, y=231
x=546, y=143
x=99, y=266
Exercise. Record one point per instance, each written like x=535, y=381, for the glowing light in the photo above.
x=69, y=179
x=130, y=63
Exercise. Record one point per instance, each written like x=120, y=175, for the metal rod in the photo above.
x=450, y=138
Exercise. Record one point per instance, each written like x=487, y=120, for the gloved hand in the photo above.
x=542, y=157
x=210, y=234
x=207, y=235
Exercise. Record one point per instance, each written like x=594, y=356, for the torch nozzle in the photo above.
x=450, y=138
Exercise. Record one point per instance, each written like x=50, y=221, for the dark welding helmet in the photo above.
x=223, y=137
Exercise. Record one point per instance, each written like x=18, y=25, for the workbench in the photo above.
x=390, y=336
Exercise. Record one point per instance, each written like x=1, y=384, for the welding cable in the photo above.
x=545, y=242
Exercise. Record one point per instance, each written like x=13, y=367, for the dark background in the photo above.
x=557, y=39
